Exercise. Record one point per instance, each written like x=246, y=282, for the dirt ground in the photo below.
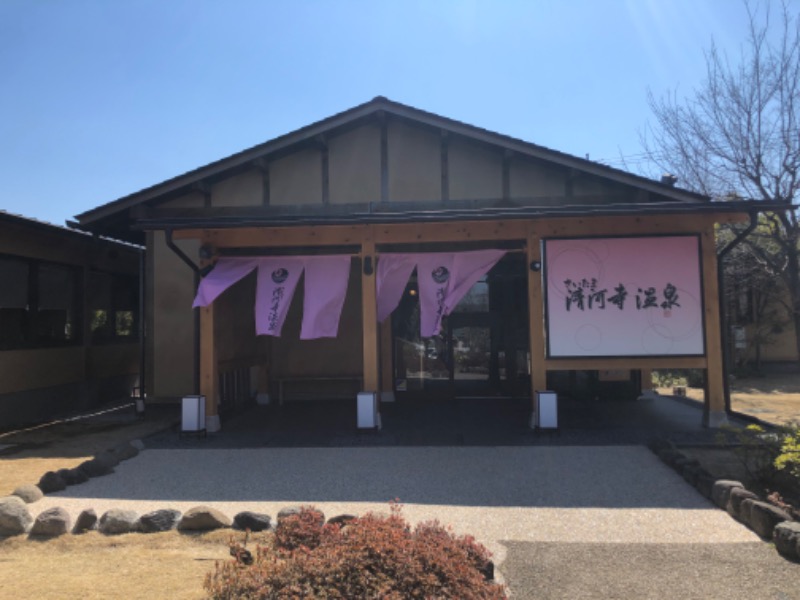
x=774, y=398
x=94, y=566
x=32, y=452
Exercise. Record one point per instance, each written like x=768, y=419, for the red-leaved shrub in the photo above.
x=372, y=557
x=303, y=529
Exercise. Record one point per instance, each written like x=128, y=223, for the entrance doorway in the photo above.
x=482, y=349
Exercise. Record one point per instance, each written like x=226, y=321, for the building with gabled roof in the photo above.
x=601, y=271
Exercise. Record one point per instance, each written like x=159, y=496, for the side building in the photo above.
x=69, y=320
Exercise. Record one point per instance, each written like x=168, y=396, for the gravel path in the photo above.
x=619, y=495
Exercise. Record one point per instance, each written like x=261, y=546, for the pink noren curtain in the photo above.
x=444, y=278
x=225, y=273
x=325, y=290
x=277, y=280
x=393, y=273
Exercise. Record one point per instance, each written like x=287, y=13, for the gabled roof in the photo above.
x=380, y=105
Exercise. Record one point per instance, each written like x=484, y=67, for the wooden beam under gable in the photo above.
x=203, y=188
x=384, y=156
x=262, y=166
x=445, y=163
x=338, y=235
x=455, y=231
x=630, y=225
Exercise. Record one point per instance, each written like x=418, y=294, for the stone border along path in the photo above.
x=768, y=521
x=605, y=494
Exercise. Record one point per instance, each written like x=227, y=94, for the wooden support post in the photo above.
x=387, y=374
x=369, y=317
x=536, y=314
x=715, y=395
x=262, y=386
x=209, y=376
x=646, y=378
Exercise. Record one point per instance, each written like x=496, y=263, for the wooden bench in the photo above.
x=357, y=380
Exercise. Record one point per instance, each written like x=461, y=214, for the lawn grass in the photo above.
x=95, y=566
x=773, y=399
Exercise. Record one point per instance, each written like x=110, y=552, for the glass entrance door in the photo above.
x=482, y=349
x=470, y=337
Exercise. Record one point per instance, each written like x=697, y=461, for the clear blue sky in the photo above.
x=103, y=98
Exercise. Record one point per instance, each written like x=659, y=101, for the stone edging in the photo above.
x=15, y=518
x=767, y=520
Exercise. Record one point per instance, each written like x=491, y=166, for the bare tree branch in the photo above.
x=738, y=136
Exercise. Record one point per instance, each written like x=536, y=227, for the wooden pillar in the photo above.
x=369, y=317
x=646, y=379
x=387, y=374
x=209, y=376
x=715, y=394
x=536, y=314
x=262, y=384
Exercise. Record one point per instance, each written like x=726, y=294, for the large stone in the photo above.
x=72, y=476
x=705, y=484
x=745, y=509
x=690, y=472
x=658, y=444
x=682, y=461
x=109, y=457
x=78, y=476
x=289, y=511
x=14, y=516
x=29, y=493
x=203, y=518
x=764, y=517
x=159, y=520
x=52, y=522
x=86, y=521
x=124, y=451
x=52, y=482
x=341, y=520
x=138, y=444
x=721, y=491
x=735, y=499
x=669, y=455
x=252, y=521
x=116, y=521
x=97, y=467
x=786, y=536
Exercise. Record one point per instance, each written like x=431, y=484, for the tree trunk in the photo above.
x=793, y=276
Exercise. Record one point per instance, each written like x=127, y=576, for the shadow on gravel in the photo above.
x=452, y=422
x=554, y=476
x=550, y=571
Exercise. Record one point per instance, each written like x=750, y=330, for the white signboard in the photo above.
x=633, y=296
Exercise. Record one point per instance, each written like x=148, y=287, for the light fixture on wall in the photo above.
x=207, y=251
x=536, y=266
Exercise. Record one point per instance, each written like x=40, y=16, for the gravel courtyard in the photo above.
x=574, y=494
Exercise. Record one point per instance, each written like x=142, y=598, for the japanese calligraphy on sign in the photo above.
x=584, y=294
x=633, y=296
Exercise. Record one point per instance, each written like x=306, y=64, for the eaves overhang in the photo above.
x=378, y=217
